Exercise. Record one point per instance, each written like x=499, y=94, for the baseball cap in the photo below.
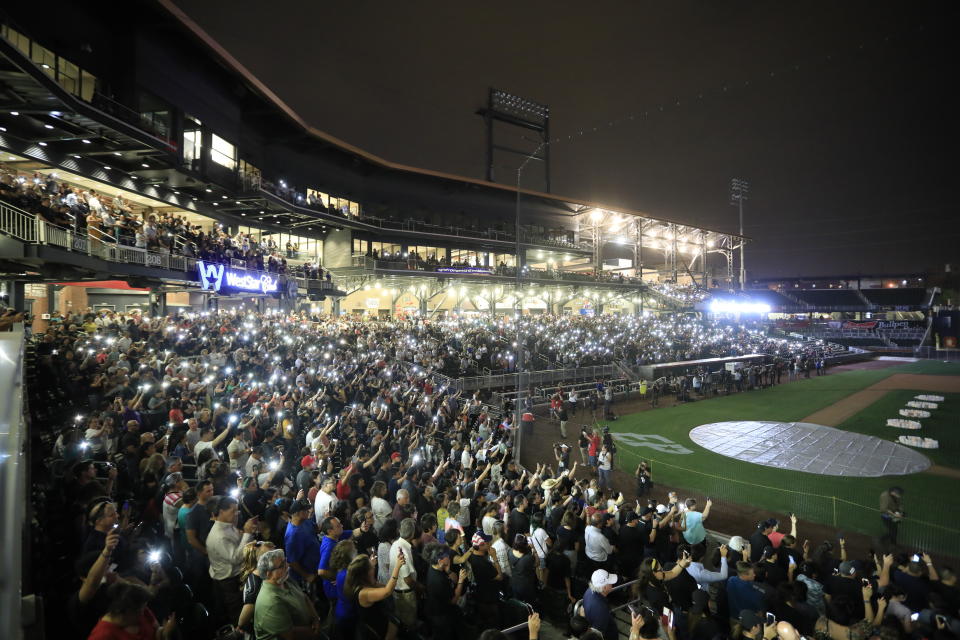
x=602, y=578
x=647, y=511
x=749, y=619
x=479, y=538
x=847, y=568
x=300, y=505
x=395, y=455
x=736, y=543
x=172, y=479
x=307, y=461
x=662, y=508
x=633, y=515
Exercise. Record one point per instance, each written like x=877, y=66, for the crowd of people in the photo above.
x=467, y=346
x=114, y=220
x=301, y=477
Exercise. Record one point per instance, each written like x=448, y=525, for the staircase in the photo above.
x=862, y=297
x=626, y=370
x=793, y=298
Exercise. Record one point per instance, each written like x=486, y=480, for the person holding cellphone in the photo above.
x=445, y=588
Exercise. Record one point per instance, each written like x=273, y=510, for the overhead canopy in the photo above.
x=102, y=284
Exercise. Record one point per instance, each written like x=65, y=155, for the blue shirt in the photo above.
x=346, y=608
x=596, y=609
x=743, y=594
x=301, y=546
x=694, y=533
x=326, y=548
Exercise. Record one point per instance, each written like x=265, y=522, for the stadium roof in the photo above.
x=260, y=87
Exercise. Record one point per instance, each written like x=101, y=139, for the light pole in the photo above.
x=521, y=364
x=739, y=191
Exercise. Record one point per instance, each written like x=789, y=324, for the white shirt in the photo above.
x=323, y=505
x=225, y=550
x=250, y=464
x=604, y=460
x=381, y=511
x=503, y=559
x=203, y=446
x=597, y=545
x=540, y=537
x=236, y=451
x=407, y=569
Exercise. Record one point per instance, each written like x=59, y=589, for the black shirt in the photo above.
x=566, y=538
x=484, y=575
x=518, y=522
x=849, y=587
x=630, y=544
x=558, y=570
x=439, y=594
x=681, y=590
x=523, y=575
x=758, y=542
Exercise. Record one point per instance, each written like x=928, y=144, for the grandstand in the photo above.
x=385, y=239
x=219, y=311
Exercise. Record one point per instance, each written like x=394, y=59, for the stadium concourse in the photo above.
x=196, y=465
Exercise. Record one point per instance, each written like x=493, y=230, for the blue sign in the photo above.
x=217, y=277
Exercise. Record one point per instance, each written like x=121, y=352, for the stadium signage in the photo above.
x=653, y=441
x=487, y=271
x=217, y=277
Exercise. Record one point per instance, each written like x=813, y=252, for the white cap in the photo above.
x=736, y=543
x=662, y=508
x=601, y=578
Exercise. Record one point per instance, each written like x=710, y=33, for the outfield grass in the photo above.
x=943, y=424
x=930, y=367
x=848, y=503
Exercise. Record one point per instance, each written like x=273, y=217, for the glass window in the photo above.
x=88, y=85
x=222, y=152
x=17, y=39
x=45, y=59
x=68, y=75
x=192, y=146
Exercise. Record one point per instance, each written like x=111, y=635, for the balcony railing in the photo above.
x=31, y=229
x=290, y=195
x=371, y=263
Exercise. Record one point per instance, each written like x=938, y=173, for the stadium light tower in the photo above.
x=739, y=191
x=521, y=365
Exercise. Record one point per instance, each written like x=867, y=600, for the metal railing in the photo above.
x=30, y=228
x=534, y=378
x=17, y=223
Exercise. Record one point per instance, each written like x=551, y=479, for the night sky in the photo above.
x=847, y=145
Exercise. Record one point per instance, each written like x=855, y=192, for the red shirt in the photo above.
x=111, y=631
x=594, y=445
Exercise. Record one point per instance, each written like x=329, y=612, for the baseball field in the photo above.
x=857, y=400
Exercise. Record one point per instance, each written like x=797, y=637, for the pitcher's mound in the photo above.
x=814, y=448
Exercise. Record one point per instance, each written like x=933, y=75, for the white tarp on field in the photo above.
x=814, y=448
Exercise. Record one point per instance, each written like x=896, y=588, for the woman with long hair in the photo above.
x=369, y=596
x=388, y=533
x=251, y=580
x=345, y=610
x=651, y=578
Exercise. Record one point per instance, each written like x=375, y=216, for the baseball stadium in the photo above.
x=259, y=382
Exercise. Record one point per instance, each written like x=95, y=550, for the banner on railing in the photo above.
x=472, y=270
